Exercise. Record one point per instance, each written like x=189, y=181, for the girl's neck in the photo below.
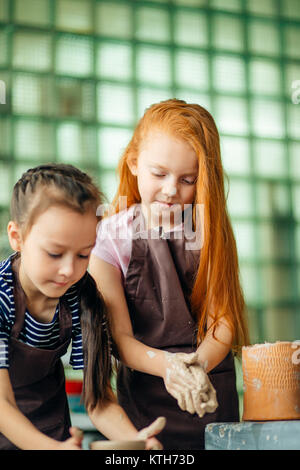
x=42, y=311
x=41, y=307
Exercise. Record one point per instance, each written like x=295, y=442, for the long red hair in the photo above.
x=217, y=290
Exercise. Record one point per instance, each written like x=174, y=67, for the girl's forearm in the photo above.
x=112, y=421
x=20, y=431
x=214, y=348
x=141, y=357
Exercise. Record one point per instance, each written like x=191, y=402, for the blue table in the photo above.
x=253, y=435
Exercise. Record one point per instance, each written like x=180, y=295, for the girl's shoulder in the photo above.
x=6, y=287
x=116, y=224
x=114, y=239
x=5, y=266
x=6, y=274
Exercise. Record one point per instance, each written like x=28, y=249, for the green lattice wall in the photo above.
x=79, y=73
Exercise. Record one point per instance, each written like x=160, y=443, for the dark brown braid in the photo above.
x=36, y=190
x=96, y=343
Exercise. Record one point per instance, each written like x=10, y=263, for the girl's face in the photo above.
x=55, y=253
x=166, y=170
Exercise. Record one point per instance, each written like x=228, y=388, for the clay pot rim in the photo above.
x=267, y=344
x=131, y=444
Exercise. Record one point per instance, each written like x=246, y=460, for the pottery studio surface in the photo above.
x=271, y=417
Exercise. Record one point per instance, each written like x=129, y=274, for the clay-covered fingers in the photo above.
x=185, y=401
x=187, y=368
x=182, y=379
x=187, y=381
x=200, y=377
x=194, y=401
x=209, y=402
x=177, y=392
x=178, y=372
x=178, y=387
x=187, y=358
x=198, y=403
x=185, y=398
x=212, y=402
x=207, y=396
x=189, y=401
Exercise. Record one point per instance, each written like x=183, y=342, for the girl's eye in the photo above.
x=54, y=255
x=185, y=181
x=158, y=175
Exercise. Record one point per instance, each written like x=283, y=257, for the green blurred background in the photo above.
x=76, y=75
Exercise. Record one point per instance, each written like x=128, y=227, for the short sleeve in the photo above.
x=4, y=341
x=76, y=359
x=104, y=247
x=76, y=356
x=114, y=240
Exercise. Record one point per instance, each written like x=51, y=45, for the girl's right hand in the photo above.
x=186, y=380
x=179, y=381
x=74, y=442
x=150, y=431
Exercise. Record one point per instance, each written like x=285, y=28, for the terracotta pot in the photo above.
x=271, y=374
x=118, y=445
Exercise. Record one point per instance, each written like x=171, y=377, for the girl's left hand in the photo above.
x=153, y=444
x=77, y=435
x=147, y=434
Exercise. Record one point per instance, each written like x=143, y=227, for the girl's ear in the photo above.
x=14, y=235
x=132, y=165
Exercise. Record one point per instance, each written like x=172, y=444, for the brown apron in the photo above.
x=37, y=375
x=157, y=287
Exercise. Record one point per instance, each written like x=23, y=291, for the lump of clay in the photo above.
x=271, y=382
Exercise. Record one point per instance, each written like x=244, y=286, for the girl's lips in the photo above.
x=165, y=204
x=60, y=284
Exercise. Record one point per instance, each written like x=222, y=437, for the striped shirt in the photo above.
x=34, y=333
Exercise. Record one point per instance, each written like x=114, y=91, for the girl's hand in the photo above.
x=74, y=442
x=187, y=381
x=147, y=434
x=153, y=444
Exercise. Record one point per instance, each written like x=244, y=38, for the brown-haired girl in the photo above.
x=176, y=302
x=47, y=300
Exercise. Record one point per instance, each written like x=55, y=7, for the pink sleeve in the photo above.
x=104, y=247
x=114, y=242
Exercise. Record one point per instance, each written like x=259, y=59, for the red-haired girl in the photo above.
x=170, y=282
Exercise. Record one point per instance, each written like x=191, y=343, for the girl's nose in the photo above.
x=67, y=268
x=169, y=189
